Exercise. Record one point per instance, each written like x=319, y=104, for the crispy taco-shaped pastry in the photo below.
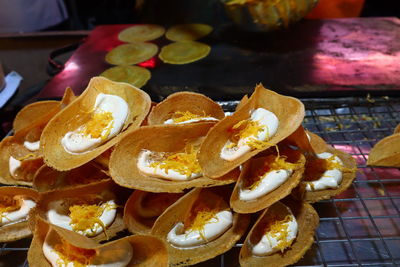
x=185, y=107
x=47, y=178
x=281, y=236
x=163, y=158
x=242, y=102
x=200, y=226
x=55, y=246
x=16, y=171
x=94, y=210
x=101, y=116
x=397, y=129
x=386, y=152
x=15, y=205
x=266, y=179
x=266, y=119
x=306, y=141
x=326, y=175
x=143, y=208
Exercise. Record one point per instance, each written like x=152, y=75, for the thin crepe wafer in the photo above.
x=157, y=138
x=47, y=178
x=252, y=167
x=143, y=208
x=184, y=52
x=290, y=112
x=132, y=53
x=386, y=152
x=242, y=102
x=102, y=191
x=178, y=213
x=397, y=129
x=195, y=103
x=75, y=115
x=21, y=229
x=147, y=250
x=307, y=220
x=134, y=75
x=188, y=32
x=141, y=33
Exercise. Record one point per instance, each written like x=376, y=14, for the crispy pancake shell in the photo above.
x=188, y=32
x=134, y=75
x=184, y=101
x=132, y=53
x=386, y=152
x=75, y=115
x=178, y=212
x=397, y=129
x=141, y=33
x=19, y=230
x=290, y=112
x=307, y=220
x=184, y=52
x=250, y=168
x=159, y=138
x=147, y=250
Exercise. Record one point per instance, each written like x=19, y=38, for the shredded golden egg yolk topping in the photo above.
x=99, y=125
x=181, y=116
x=185, y=162
x=279, y=231
x=247, y=129
x=8, y=204
x=68, y=253
x=315, y=167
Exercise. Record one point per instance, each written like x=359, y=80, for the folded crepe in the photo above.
x=185, y=107
x=55, y=246
x=143, y=208
x=163, y=158
x=101, y=116
x=281, y=236
x=200, y=226
x=15, y=206
x=386, y=152
x=263, y=121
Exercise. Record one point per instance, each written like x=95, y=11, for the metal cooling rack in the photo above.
x=360, y=227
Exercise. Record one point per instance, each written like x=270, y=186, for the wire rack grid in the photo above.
x=360, y=227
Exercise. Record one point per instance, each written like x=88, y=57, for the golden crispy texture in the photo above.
x=290, y=112
x=19, y=230
x=184, y=101
x=159, y=138
x=134, y=75
x=141, y=33
x=48, y=179
x=348, y=176
x=184, y=52
x=188, y=32
x=132, y=53
x=106, y=190
x=147, y=250
x=386, y=152
x=397, y=129
x=307, y=220
x=242, y=102
x=178, y=212
x=143, y=208
x=73, y=116
x=251, y=168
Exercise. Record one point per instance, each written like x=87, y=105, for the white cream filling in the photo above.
x=215, y=227
x=330, y=178
x=19, y=215
x=108, y=257
x=270, y=123
x=13, y=165
x=144, y=162
x=107, y=217
x=76, y=142
x=32, y=146
x=269, y=182
x=171, y=121
x=268, y=243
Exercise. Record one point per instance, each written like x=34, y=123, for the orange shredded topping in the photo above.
x=181, y=116
x=248, y=129
x=279, y=230
x=315, y=167
x=8, y=204
x=80, y=257
x=96, y=125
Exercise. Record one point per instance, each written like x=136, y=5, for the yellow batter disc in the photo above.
x=184, y=52
x=133, y=53
x=141, y=33
x=188, y=32
x=135, y=75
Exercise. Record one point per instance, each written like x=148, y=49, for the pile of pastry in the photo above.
x=184, y=180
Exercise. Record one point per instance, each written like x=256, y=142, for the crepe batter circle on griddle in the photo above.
x=133, y=53
x=188, y=32
x=135, y=75
x=141, y=33
x=184, y=52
